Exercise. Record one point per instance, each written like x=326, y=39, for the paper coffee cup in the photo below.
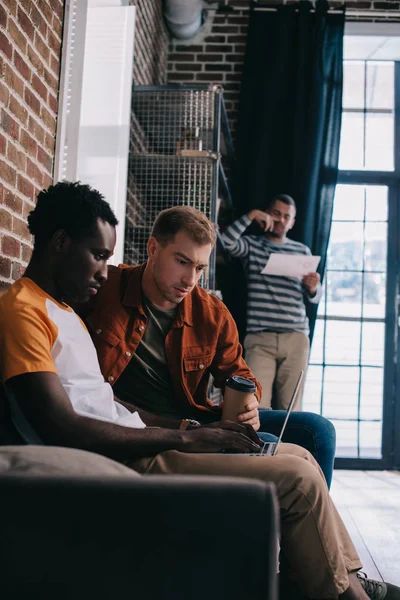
x=238, y=392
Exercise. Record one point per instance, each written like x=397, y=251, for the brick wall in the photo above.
x=151, y=43
x=150, y=67
x=30, y=41
x=216, y=54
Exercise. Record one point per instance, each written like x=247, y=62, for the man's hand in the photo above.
x=250, y=414
x=221, y=435
x=264, y=220
x=311, y=281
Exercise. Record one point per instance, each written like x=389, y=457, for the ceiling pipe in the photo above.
x=183, y=17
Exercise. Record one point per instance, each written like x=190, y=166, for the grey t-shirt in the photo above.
x=146, y=381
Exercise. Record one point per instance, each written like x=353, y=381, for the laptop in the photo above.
x=270, y=448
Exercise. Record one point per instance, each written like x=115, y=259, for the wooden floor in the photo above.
x=369, y=504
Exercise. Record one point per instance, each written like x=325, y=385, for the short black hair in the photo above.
x=283, y=198
x=71, y=206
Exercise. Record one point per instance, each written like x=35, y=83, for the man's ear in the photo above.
x=61, y=241
x=152, y=246
x=292, y=225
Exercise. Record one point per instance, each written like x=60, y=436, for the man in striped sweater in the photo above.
x=277, y=344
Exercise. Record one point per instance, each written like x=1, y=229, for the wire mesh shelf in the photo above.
x=174, y=160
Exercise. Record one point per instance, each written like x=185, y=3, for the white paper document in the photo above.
x=291, y=265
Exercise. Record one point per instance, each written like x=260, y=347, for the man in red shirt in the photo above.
x=159, y=336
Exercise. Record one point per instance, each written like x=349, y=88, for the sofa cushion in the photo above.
x=49, y=460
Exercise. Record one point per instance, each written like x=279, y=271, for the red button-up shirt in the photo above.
x=203, y=339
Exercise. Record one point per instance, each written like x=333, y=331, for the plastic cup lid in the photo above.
x=241, y=384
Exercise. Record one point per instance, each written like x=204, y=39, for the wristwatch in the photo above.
x=189, y=424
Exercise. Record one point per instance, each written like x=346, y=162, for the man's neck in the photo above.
x=276, y=240
x=39, y=272
x=151, y=291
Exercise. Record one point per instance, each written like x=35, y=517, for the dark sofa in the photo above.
x=83, y=534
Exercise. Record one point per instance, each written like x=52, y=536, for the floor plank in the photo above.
x=369, y=503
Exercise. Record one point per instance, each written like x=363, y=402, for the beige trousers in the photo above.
x=276, y=359
x=313, y=538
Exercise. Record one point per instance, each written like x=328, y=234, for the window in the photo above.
x=349, y=362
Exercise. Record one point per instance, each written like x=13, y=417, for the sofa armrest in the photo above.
x=149, y=538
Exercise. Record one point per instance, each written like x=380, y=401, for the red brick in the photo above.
x=17, y=36
x=48, y=120
x=206, y=58
x=25, y=23
x=22, y=66
x=27, y=208
x=57, y=27
x=20, y=228
x=53, y=42
x=3, y=144
x=4, y=94
x=44, y=159
x=32, y=101
x=11, y=5
x=5, y=46
x=9, y=125
x=28, y=143
x=52, y=102
x=26, y=253
x=13, y=81
x=210, y=77
x=5, y=266
x=47, y=180
x=46, y=10
x=38, y=20
x=218, y=67
x=17, y=157
x=18, y=110
x=58, y=7
x=51, y=81
x=55, y=65
x=36, y=130
x=216, y=39
x=36, y=60
x=180, y=48
x=49, y=143
x=5, y=219
x=39, y=87
x=25, y=187
x=188, y=67
x=218, y=48
x=33, y=171
x=10, y=246
x=42, y=48
x=17, y=270
x=177, y=77
x=181, y=56
x=3, y=18
x=13, y=201
x=225, y=29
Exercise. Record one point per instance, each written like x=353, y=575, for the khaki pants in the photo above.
x=276, y=359
x=313, y=538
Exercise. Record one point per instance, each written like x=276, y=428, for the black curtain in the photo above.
x=289, y=120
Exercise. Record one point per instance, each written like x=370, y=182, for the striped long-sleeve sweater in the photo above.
x=273, y=303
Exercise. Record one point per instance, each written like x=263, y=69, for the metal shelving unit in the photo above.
x=174, y=159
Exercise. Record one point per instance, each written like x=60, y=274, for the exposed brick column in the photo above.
x=30, y=42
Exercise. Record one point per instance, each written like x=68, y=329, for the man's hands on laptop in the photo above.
x=220, y=436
